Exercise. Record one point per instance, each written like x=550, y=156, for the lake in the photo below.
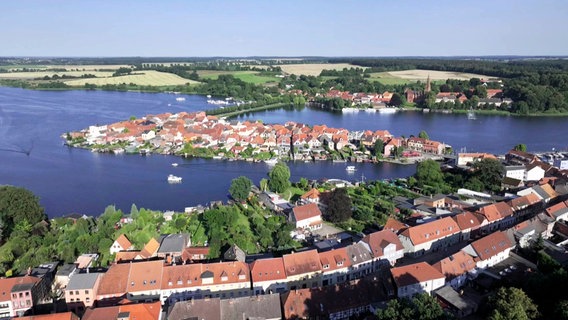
x=32, y=154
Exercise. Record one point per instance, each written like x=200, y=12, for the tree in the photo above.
x=521, y=147
x=379, y=148
x=424, y=135
x=481, y=91
x=303, y=183
x=428, y=172
x=339, y=205
x=396, y=100
x=18, y=205
x=490, y=173
x=279, y=177
x=422, y=306
x=240, y=188
x=512, y=304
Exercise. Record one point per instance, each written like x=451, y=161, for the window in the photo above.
x=86, y=291
x=27, y=293
x=88, y=299
x=77, y=292
x=70, y=293
x=72, y=300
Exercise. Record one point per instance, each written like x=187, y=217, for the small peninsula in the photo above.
x=205, y=136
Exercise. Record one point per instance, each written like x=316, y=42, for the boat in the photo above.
x=471, y=115
x=174, y=179
x=272, y=161
x=209, y=96
x=387, y=110
x=174, y=164
x=350, y=168
x=180, y=99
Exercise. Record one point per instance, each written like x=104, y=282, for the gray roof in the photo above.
x=83, y=281
x=256, y=307
x=66, y=269
x=23, y=287
x=540, y=192
x=358, y=253
x=455, y=299
x=234, y=253
x=208, y=309
x=512, y=168
x=173, y=242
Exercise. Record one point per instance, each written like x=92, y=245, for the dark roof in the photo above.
x=83, y=281
x=234, y=253
x=173, y=243
x=66, y=269
x=196, y=309
x=255, y=307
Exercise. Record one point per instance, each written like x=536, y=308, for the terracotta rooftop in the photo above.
x=126, y=255
x=377, y=241
x=145, y=276
x=432, y=231
x=558, y=209
x=139, y=311
x=307, y=211
x=467, y=220
x=113, y=282
x=301, y=262
x=524, y=201
x=395, y=225
x=415, y=273
x=312, y=194
x=124, y=242
x=150, y=249
x=334, y=259
x=181, y=276
x=455, y=265
x=496, y=211
x=491, y=245
x=6, y=285
x=267, y=270
x=53, y=316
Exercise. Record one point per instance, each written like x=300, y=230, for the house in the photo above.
x=207, y=309
x=335, y=265
x=395, y=225
x=495, y=216
x=520, y=157
x=306, y=217
x=456, y=268
x=342, y=301
x=86, y=260
x=121, y=244
x=64, y=273
x=265, y=307
x=544, y=192
x=81, y=291
x=490, y=250
x=467, y=159
x=429, y=236
x=558, y=211
x=526, y=232
x=150, y=250
x=416, y=278
x=191, y=254
x=311, y=196
x=361, y=260
x=172, y=245
x=234, y=253
x=303, y=269
x=515, y=172
x=457, y=304
x=6, y=305
x=25, y=294
x=385, y=247
x=144, y=281
x=268, y=276
x=469, y=224
x=113, y=284
x=533, y=172
x=146, y=311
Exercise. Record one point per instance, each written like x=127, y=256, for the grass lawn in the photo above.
x=292, y=193
x=387, y=79
x=246, y=76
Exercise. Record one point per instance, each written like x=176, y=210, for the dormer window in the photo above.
x=326, y=266
x=339, y=263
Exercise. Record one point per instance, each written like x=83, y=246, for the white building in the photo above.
x=417, y=278
x=306, y=217
x=490, y=250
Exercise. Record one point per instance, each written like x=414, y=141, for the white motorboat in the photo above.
x=174, y=164
x=180, y=99
x=174, y=179
x=350, y=168
x=272, y=161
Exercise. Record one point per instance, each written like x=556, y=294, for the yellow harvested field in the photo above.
x=435, y=75
x=41, y=74
x=314, y=69
x=74, y=67
x=141, y=78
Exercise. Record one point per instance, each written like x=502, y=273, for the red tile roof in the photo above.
x=524, y=201
x=432, y=231
x=6, y=285
x=113, y=282
x=145, y=276
x=267, y=270
x=380, y=239
x=491, y=245
x=415, y=273
x=139, y=311
x=53, y=316
x=467, y=220
x=124, y=242
x=301, y=262
x=181, y=276
x=334, y=259
x=307, y=211
x=496, y=211
x=150, y=249
x=395, y=225
x=312, y=194
x=455, y=265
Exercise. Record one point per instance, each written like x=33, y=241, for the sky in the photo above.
x=196, y=28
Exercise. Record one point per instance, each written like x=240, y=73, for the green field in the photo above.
x=246, y=76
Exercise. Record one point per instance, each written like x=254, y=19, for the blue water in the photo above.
x=79, y=181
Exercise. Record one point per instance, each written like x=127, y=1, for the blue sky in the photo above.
x=283, y=28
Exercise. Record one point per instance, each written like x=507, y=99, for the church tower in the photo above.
x=428, y=85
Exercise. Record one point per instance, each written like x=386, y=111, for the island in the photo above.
x=200, y=135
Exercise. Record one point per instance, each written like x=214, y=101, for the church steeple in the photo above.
x=428, y=85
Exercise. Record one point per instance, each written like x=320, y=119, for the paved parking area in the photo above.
x=327, y=230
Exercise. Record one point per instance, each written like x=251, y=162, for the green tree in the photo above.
x=303, y=183
x=561, y=310
x=490, y=173
x=379, y=148
x=339, y=205
x=422, y=306
x=424, y=135
x=512, y=304
x=428, y=172
x=240, y=188
x=521, y=147
x=279, y=178
x=481, y=91
x=17, y=205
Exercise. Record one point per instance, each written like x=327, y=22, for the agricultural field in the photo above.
x=68, y=67
x=246, y=76
x=387, y=79
x=314, y=69
x=41, y=74
x=141, y=78
x=422, y=75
